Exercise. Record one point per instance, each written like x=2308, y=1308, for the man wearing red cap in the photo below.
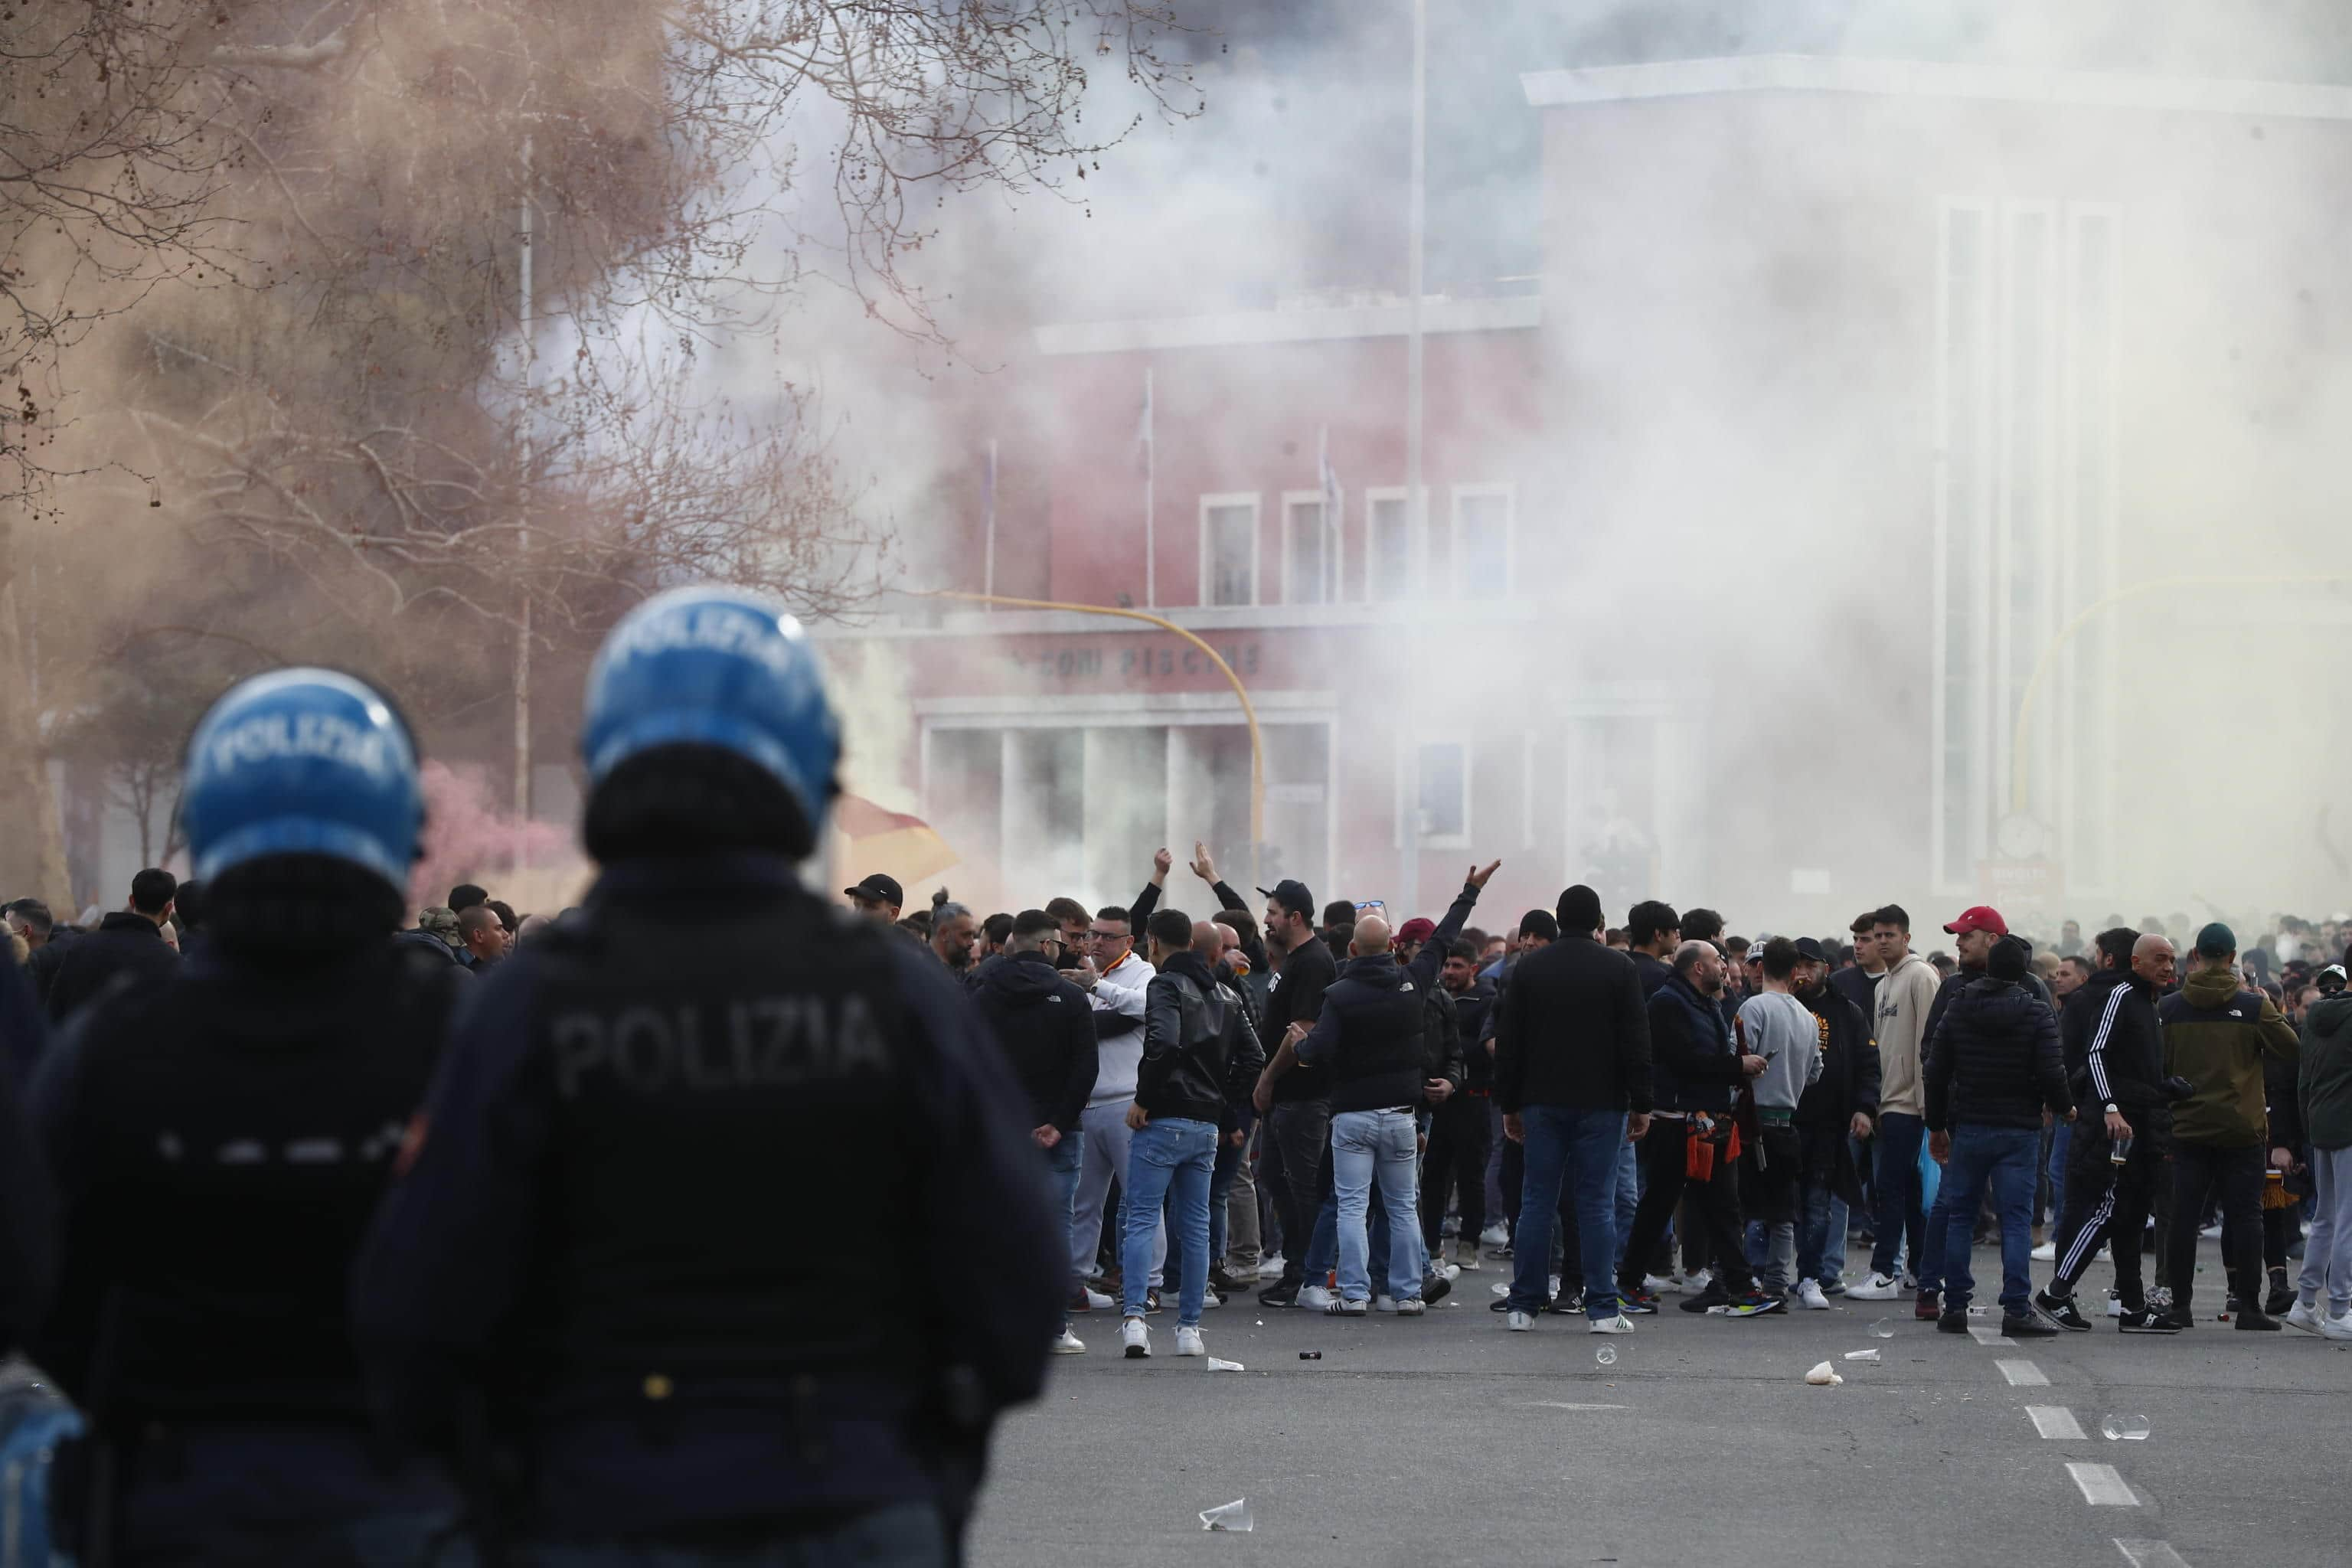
x=1973, y=936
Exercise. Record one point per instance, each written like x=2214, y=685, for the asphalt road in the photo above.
x=1445, y=1440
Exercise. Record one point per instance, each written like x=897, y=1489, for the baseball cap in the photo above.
x=1983, y=916
x=1421, y=927
x=442, y=921
x=880, y=888
x=2335, y=969
x=1811, y=950
x=2217, y=941
x=1292, y=895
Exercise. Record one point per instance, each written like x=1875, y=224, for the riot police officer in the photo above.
x=617, y=1235
x=220, y=1138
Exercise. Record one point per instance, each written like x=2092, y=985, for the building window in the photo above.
x=1480, y=557
x=1434, y=801
x=1387, y=549
x=1310, y=550
x=1229, y=550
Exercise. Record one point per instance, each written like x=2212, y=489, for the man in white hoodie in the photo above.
x=1114, y=979
x=1904, y=996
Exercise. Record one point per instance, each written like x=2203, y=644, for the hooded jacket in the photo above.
x=1905, y=995
x=1197, y=1051
x=1370, y=1035
x=2215, y=1035
x=1995, y=1060
x=2325, y=1078
x=2115, y=1053
x=1047, y=1032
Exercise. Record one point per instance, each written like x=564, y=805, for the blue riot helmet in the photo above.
x=721, y=667
x=302, y=762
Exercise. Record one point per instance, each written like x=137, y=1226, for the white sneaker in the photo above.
x=1210, y=1301
x=1451, y=1270
x=1187, y=1342
x=1095, y=1302
x=1136, y=1338
x=1316, y=1297
x=1910, y=1282
x=1657, y=1287
x=2046, y=1253
x=1069, y=1344
x=1340, y=1307
x=1270, y=1267
x=2337, y=1326
x=1413, y=1308
x=2304, y=1317
x=1495, y=1235
x=1620, y=1325
x=1809, y=1294
x=1384, y=1303
x=1518, y=1322
x=1877, y=1288
x=1693, y=1283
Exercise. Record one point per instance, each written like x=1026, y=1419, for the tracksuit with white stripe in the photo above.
x=2115, y=1058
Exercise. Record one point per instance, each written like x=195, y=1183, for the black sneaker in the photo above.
x=2028, y=1325
x=1502, y=1251
x=2180, y=1317
x=1715, y=1295
x=1756, y=1304
x=2250, y=1319
x=1435, y=1287
x=1952, y=1320
x=1281, y=1293
x=2280, y=1301
x=1635, y=1307
x=2062, y=1312
x=1567, y=1304
x=2147, y=1322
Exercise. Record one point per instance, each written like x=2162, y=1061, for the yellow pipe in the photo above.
x=2019, y=739
x=1249, y=713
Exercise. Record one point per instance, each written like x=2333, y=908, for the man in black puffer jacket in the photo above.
x=1047, y=1032
x=1992, y=1064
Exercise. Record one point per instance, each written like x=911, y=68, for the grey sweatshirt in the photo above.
x=1783, y=1031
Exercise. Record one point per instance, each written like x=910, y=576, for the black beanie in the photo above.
x=1579, y=911
x=2007, y=959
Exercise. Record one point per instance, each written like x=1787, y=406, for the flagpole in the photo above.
x=988, y=565
x=1150, y=467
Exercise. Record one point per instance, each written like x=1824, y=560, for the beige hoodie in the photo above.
x=1904, y=995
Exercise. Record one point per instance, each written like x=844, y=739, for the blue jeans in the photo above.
x=1168, y=1163
x=1580, y=1148
x=1063, y=1162
x=1895, y=1191
x=905, y=1535
x=1221, y=1187
x=1820, y=1228
x=1368, y=1147
x=1629, y=1197
x=2008, y=1158
x=2062, y=1139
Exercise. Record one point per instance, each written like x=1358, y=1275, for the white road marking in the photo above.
x=2103, y=1486
x=1556, y=1404
x=1985, y=1336
x=2151, y=1554
x=2023, y=1374
x=2054, y=1421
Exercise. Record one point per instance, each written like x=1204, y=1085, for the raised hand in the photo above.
x=1477, y=879
x=1160, y=864
x=1202, y=866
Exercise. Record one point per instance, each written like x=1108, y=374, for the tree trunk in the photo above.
x=31, y=838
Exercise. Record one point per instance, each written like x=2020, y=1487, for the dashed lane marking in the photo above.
x=2151, y=1554
x=2054, y=1421
x=1985, y=1336
x=2102, y=1487
x=2023, y=1374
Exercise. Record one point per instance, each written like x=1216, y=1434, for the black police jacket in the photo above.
x=219, y=1142
x=602, y=1232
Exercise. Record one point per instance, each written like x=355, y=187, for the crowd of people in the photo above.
x=360, y=1240
x=1305, y=1101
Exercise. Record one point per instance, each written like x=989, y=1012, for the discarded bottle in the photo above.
x=1216, y=1365
x=1882, y=1330
x=1606, y=1356
x=1310, y=1355
x=1234, y=1516
x=2125, y=1428
x=1862, y=1355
